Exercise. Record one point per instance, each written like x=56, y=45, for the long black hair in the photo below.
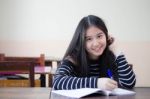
x=77, y=51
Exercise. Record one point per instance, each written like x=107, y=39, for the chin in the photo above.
x=97, y=54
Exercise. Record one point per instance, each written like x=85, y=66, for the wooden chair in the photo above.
x=17, y=67
x=38, y=61
x=54, y=65
x=2, y=57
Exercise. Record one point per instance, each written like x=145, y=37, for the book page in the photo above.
x=78, y=93
x=120, y=91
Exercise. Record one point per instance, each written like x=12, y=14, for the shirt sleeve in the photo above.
x=65, y=78
x=126, y=75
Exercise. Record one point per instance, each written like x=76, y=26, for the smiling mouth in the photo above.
x=97, y=49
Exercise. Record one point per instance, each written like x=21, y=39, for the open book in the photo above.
x=78, y=93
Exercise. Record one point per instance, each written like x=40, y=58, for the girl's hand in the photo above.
x=106, y=84
x=110, y=40
x=113, y=46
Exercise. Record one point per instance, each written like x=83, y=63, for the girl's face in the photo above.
x=95, y=42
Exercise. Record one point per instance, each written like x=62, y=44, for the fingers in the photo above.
x=111, y=85
x=110, y=40
x=112, y=82
x=107, y=83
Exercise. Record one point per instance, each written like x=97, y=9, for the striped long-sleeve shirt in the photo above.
x=65, y=77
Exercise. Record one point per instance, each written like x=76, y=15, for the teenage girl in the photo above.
x=89, y=62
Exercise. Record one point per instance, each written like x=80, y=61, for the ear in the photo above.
x=110, y=40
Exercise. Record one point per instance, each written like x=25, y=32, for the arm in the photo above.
x=65, y=78
x=126, y=75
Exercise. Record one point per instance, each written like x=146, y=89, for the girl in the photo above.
x=89, y=63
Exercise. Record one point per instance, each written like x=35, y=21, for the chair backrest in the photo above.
x=2, y=57
x=17, y=67
x=39, y=61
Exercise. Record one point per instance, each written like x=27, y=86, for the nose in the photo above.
x=95, y=43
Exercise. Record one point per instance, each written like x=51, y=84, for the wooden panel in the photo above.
x=12, y=67
x=18, y=83
x=38, y=61
x=2, y=57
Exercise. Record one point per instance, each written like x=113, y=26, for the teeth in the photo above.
x=97, y=49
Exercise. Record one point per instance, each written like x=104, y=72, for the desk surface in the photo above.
x=24, y=93
x=44, y=93
x=141, y=93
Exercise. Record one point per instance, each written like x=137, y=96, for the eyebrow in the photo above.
x=96, y=34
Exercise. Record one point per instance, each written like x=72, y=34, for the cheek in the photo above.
x=104, y=41
x=87, y=46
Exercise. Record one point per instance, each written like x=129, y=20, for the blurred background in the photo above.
x=32, y=27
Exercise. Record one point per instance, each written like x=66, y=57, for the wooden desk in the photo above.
x=24, y=93
x=141, y=93
x=44, y=93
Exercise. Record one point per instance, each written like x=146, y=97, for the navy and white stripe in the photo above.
x=65, y=77
x=126, y=75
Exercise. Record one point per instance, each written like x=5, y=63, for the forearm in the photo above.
x=68, y=82
x=125, y=73
x=66, y=78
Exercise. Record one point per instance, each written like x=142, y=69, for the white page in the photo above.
x=76, y=93
x=120, y=91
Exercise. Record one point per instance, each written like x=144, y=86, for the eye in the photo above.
x=88, y=39
x=100, y=36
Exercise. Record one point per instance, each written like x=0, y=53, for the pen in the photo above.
x=109, y=74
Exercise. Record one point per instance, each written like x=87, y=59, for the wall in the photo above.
x=31, y=27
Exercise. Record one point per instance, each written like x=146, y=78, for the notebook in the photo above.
x=79, y=93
